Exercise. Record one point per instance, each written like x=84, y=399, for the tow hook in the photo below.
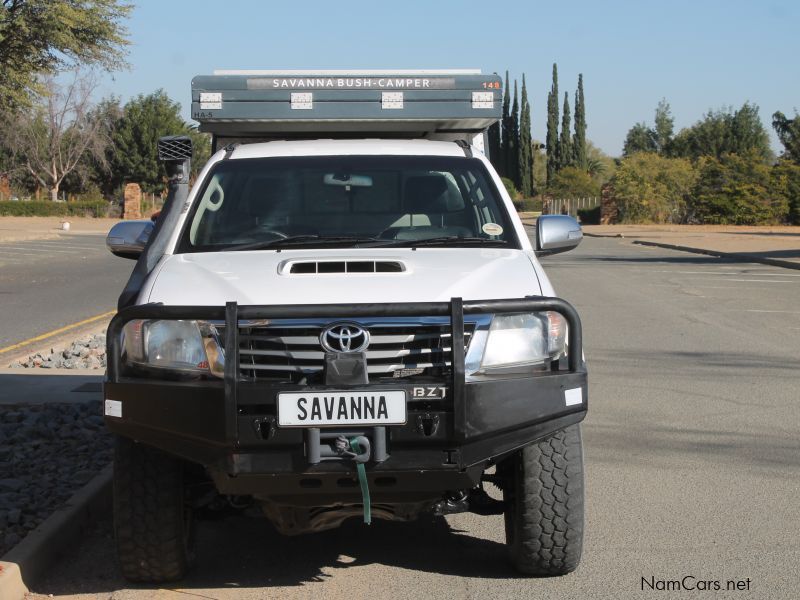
x=265, y=427
x=453, y=502
x=475, y=501
x=427, y=424
x=347, y=448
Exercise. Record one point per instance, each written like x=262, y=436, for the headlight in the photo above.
x=182, y=346
x=524, y=339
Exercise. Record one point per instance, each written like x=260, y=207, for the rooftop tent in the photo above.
x=263, y=105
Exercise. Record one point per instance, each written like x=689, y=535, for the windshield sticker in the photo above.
x=492, y=229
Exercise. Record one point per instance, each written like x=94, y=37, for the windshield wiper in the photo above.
x=450, y=239
x=301, y=239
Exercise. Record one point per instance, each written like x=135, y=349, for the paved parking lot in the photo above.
x=692, y=451
x=48, y=283
x=65, y=248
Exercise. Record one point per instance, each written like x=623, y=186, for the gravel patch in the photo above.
x=86, y=353
x=47, y=453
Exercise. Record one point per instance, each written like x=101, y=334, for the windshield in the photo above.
x=347, y=201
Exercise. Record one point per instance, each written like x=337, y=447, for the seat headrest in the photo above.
x=425, y=194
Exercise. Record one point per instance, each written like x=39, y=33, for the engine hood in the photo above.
x=263, y=277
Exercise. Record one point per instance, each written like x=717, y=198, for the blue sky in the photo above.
x=698, y=55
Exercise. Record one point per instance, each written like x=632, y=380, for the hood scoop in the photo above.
x=314, y=267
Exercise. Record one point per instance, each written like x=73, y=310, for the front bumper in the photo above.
x=447, y=441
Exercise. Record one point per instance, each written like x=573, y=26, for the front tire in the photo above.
x=544, y=512
x=153, y=526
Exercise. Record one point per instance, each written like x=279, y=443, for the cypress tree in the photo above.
x=525, y=146
x=502, y=156
x=513, y=147
x=495, y=148
x=552, y=127
x=565, y=144
x=579, y=140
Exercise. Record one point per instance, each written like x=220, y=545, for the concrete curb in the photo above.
x=775, y=262
x=33, y=556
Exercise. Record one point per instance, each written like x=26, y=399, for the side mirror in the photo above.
x=128, y=238
x=557, y=233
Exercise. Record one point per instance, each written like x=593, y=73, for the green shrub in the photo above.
x=649, y=188
x=589, y=216
x=739, y=189
x=47, y=208
x=512, y=191
x=572, y=182
x=527, y=204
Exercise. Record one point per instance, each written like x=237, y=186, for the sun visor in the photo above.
x=242, y=105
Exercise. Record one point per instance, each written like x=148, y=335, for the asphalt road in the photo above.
x=48, y=284
x=692, y=451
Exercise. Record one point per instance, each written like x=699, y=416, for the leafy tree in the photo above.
x=201, y=150
x=640, y=138
x=6, y=158
x=599, y=164
x=97, y=171
x=574, y=182
x=44, y=36
x=552, y=127
x=565, y=143
x=135, y=158
x=786, y=183
x=512, y=166
x=725, y=132
x=579, y=139
x=748, y=135
x=525, y=146
x=788, y=131
x=738, y=189
x=664, y=128
x=652, y=188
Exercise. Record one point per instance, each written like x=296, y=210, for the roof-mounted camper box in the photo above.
x=242, y=106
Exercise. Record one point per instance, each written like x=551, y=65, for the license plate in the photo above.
x=336, y=408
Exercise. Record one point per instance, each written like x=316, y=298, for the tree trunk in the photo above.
x=54, y=193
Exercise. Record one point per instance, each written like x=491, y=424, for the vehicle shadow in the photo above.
x=696, y=259
x=240, y=552
x=791, y=253
x=50, y=386
x=765, y=233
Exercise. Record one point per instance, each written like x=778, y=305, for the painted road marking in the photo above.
x=37, y=249
x=49, y=334
x=753, y=272
x=73, y=246
x=762, y=280
x=757, y=310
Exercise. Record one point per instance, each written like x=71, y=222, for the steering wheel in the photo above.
x=389, y=233
x=258, y=230
x=277, y=234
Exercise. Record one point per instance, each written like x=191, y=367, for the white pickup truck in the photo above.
x=348, y=327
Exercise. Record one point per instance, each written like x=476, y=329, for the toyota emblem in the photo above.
x=344, y=338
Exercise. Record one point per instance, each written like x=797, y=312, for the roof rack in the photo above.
x=260, y=105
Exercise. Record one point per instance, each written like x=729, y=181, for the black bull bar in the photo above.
x=456, y=309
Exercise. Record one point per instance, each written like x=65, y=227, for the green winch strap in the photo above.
x=362, y=479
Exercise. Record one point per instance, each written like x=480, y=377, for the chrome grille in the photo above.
x=291, y=352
